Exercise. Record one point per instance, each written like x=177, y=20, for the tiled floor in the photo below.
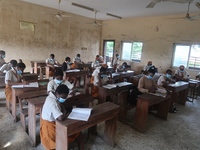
x=180, y=132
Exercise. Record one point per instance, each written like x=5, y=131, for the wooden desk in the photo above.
x=47, y=70
x=193, y=85
x=119, y=76
x=16, y=92
x=143, y=104
x=182, y=88
x=107, y=112
x=28, y=77
x=39, y=64
x=104, y=92
x=35, y=104
x=82, y=66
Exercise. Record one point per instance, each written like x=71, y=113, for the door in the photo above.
x=109, y=51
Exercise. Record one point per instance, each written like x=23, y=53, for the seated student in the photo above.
x=78, y=60
x=146, y=84
x=100, y=59
x=13, y=77
x=96, y=62
x=2, y=56
x=95, y=79
x=149, y=66
x=181, y=74
x=124, y=67
x=165, y=79
x=116, y=62
x=53, y=109
x=66, y=64
x=50, y=62
x=8, y=66
x=53, y=84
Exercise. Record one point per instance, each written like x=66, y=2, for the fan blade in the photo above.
x=198, y=4
x=153, y=3
x=66, y=16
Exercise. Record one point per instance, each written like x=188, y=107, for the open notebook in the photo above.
x=160, y=92
x=31, y=84
x=80, y=114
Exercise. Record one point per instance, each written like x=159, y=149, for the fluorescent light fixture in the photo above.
x=114, y=16
x=82, y=6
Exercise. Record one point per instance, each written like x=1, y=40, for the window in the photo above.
x=187, y=55
x=132, y=51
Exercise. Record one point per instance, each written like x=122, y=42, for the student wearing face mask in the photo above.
x=165, y=79
x=96, y=62
x=146, y=84
x=51, y=62
x=13, y=77
x=181, y=74
x=116, y=62
x=2, y=57
x=53, y=109
x=7, y=67
x=58, y=80
x=66, y=64
x=78, y=60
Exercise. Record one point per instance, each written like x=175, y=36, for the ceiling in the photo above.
x=122, y=8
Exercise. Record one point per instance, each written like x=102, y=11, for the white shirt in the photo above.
x=51, y=109
x=95, y=64
x=5, y=68
x=146, y=68
x=77, y=59
x=179, y=73
x=12, y=76
x=95, y=74
x=116, y=61
x=52, y=85
x=51, y=61
x=161, y=79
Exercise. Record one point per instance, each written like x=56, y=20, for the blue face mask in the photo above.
x=149, y=77
x=123, y=67
x=103, y=76
x=51, y=59
x=69, y=63
x=97, y=61
x=58, y=81
x=3, y=56
x=168, y=75
x=19, y=72
x=118, y=57
x=61, y=100
x=181, y=70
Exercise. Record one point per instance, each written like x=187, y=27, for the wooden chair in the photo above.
x=24, y=111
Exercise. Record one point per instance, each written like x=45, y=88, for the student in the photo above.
x=78, y=60
x=13, y=77
x=66, y=64
x=7, y=67
x=53, y=109
x=95, y=79
x=146, y=84
x=100, y=59
x=116, y=62
x=165, y=79
x=124, y=67
x=96, y=62
x=181, y=74
x=50, y=62
x=53, y=84
x=2, y=56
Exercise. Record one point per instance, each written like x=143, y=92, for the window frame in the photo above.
x=131, y=60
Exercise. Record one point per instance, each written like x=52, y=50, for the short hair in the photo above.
x=97, y=56
x=152, y=70
x=67, y=59
x=52, y=55
x=168, y=70
x=78, y=55
x=21, y=65
x=58, y=72
x=62, y=89
x=124, y=63
x=13, y=63
x=103, y=69
x=2, y=52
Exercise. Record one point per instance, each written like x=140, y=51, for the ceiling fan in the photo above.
x=95, y=20
x=58, y=15
x=154, y=2
x=187, y=16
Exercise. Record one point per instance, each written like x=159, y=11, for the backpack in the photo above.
x=133, y=93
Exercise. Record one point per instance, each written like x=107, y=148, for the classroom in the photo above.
x=32, y=31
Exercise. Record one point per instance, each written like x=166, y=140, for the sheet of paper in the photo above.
x=74, y=70
x=110, y=86
x=18, y=86
x=32, y=84
x=80, y=114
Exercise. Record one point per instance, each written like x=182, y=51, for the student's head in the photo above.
x=62, y=92
x=117, y=55
x=59, y=75
x=2, y=54
x=151, y=73
x=78, y=55
x=20, y=68
x=97, y=57
x=182, y=68
x=13, y=63
x=52, y=56
x=168, y=73
x=149, y=63
x=67, y=59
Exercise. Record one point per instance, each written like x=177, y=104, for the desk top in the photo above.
x=178, y=84
x=37, y=100
x=101, y=112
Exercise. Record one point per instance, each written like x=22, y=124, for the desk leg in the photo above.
x=102, y=96
x=32, y=123
x=35, y=68
x=172, y=100
x=61, y=137
x=163, y=109
x=183, y=96
x=47, y=72
x=14, y=105
x=110, y=130
x=141, y=114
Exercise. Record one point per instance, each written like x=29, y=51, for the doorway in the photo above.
x=108, y=51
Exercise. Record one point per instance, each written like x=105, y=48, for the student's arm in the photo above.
x=14, y=83
x=141, y=86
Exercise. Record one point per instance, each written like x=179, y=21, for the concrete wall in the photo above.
x=64, y=38
x=158, y=35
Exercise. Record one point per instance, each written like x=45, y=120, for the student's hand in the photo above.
x=152, y=90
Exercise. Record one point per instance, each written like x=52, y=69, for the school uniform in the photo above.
x=183, y=74
x=12, y=76
x=145, y=84
x=50, y=112
x=5, y=68
x=162, y=79
x=52, y=85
